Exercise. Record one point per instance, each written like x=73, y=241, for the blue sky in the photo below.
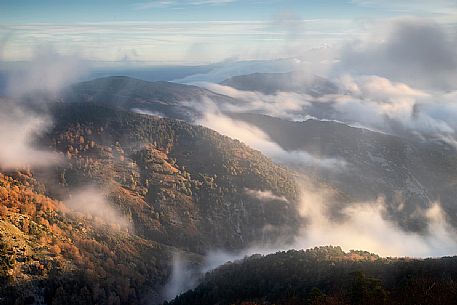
x=193, y=31
x=20, y=11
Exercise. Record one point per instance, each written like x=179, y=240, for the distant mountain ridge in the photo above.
x=167, y=98
x=271, y=83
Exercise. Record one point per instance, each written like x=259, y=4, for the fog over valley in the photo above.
x=228, y=152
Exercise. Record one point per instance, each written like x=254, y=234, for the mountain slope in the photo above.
x=410, y=174
x=49, y=254
x=192, y=177
x=135, y=190
x=131, y=190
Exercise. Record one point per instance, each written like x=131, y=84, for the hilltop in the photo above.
x=327, y=275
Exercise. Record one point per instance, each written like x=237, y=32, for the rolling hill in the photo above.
x=160, y=98
x=326, y=275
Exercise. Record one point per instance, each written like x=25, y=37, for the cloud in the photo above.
x=415, y=51
x=40, y=79
x=47, y=72
x=264, y=195
x=400, y=81
x=178, y=3
x=257, y=139
x=365, y=227
x=372, y=98
x=17, y=131
x=94, y=202
x=182, y=278
x=282, y=104
x=147, y=112
x=375, y=102
x=155, y=42
x=368, y=101
x=172, y=42
x=230, y=68
x=436, y=8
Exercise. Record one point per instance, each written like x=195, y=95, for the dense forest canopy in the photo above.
x=327, y=275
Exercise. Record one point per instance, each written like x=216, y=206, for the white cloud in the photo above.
x=368, y=101
x=281, y=104
x=42, y=77
x=47, y=72
x=171, y=42
x=416, y=51
x=147, y=112
x=372, y=100
x=257, y=139
x=265, y=195
x=364, y=227
x=178, y=3
x=93, y=202
x=231, y=68
x=17, y=131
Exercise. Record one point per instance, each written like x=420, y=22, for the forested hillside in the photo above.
x=102, y=225
x=327, y=275
x=51, y=255
x=187, y=182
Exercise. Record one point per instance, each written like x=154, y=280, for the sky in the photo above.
x=195, y=31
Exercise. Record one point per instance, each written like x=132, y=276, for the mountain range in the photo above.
x=138, y=182
x=408, y=172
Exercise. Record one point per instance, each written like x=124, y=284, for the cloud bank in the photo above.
x=47, y=73
x=412, y=50
x=18, y=128
x=365, y=226
x=23, y=114
x=257, y=139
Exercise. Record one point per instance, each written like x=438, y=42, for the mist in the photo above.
x=23, y=114
x=93, y=202
x=257, y=139
x=400, y=79
x=47, y=73
x=362, y=226
x=359, y=225
x=182, y=278
x=365, y=225
x=18, y=128
x=265, y=195
x=372, y=94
